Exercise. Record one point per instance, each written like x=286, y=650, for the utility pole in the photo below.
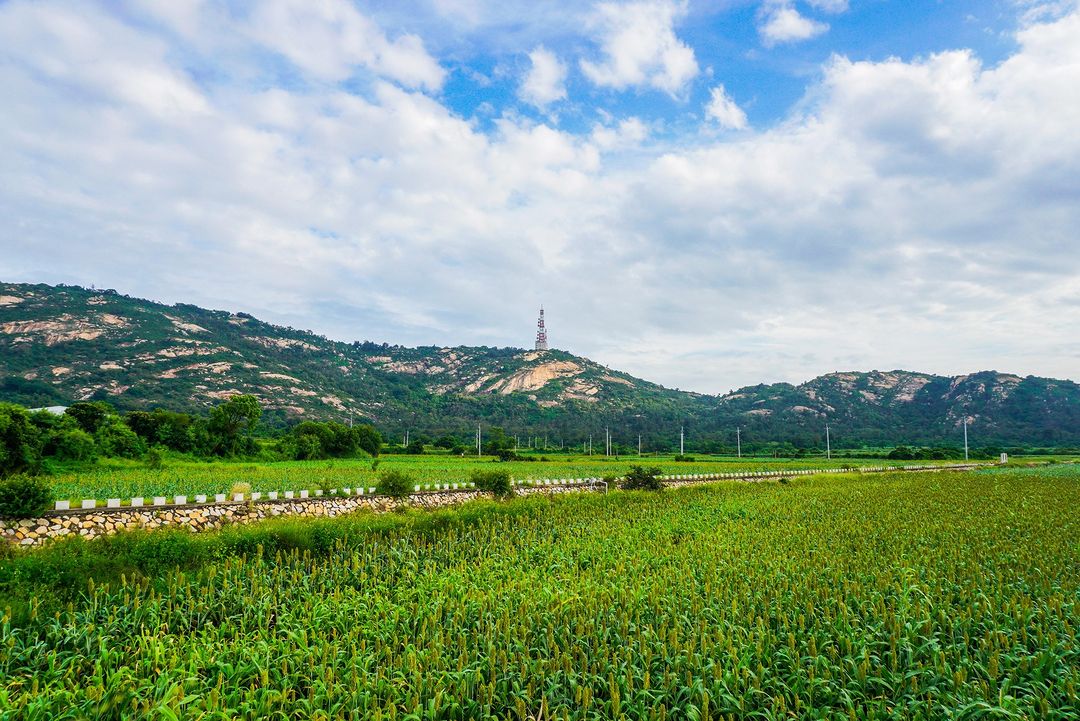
x=828, y=445
x=590, y=444
x=479, y=437
x=607, y=442
x=682, y=438
x=738, y=441
x=965, y=439
x=639, y=445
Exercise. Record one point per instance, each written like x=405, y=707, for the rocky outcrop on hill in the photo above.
x=62, y=344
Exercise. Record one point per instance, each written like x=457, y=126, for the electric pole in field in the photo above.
x=682, y=438
x=738, y=441
x=607, y=441
x=828, y=444
x=639, y=445
x=965, y=439
x=479, y=437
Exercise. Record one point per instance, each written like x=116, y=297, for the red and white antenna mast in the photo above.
x=541, y=332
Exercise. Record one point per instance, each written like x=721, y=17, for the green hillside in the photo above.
x=64, y=343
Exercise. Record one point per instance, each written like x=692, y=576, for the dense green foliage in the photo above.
x=496, y=482
x=87, y=431
x=879, y=597
x=395, y=483
x=310, y=440
x=639, y=478
x=20, y=441
x=24, y=496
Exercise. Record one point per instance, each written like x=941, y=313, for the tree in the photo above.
x=231, y=422
x=145, y=424
x=116, y=439
x=368, y=439
x=90, y=415
x=71, y=444
x=415, y=447
x=497, y=440
x=20, y=441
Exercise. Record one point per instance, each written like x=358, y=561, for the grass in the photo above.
x=886, y=596
x=116, y=478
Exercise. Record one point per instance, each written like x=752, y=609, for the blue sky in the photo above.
x=706, y=194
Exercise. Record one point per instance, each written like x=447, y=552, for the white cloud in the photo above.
x=724, y=110
x=640, y=47
x=914, y=214
x=625, y=134
x=546, y=80
x=782, y=23
x=330, y=38
x=829, y=6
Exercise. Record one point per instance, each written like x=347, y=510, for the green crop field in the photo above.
x=888, y=596
x=114, y=478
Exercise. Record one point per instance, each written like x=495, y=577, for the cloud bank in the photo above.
x=918, y=214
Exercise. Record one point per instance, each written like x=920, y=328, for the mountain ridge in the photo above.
x=67, y=343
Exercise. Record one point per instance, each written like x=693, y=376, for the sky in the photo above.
x=706, y=194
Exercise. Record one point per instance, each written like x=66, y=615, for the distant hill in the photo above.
x=64, y=343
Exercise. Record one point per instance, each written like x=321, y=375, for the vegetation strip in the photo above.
x=876, y=596
x=279, y=496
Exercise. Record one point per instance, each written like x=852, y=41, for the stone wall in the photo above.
x=205, y=517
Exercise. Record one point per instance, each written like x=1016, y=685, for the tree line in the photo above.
x=35, y=441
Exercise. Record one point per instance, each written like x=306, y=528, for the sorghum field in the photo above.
x=116, y=478
x=889, y=596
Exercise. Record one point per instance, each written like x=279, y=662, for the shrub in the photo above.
x=24, y=496
x=684, y=459
x=154, y=458
x=396, y=483
x=642, y=479
x=495, y=482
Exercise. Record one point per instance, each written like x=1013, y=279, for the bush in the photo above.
x=72, y=445
x=118, y=440
x=684, y=459
x=396, y=484
x=24, y=497
x=642, y=479
x=154, y=458
x=495, y=482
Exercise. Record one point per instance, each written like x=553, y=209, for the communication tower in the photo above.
x=541, y=332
